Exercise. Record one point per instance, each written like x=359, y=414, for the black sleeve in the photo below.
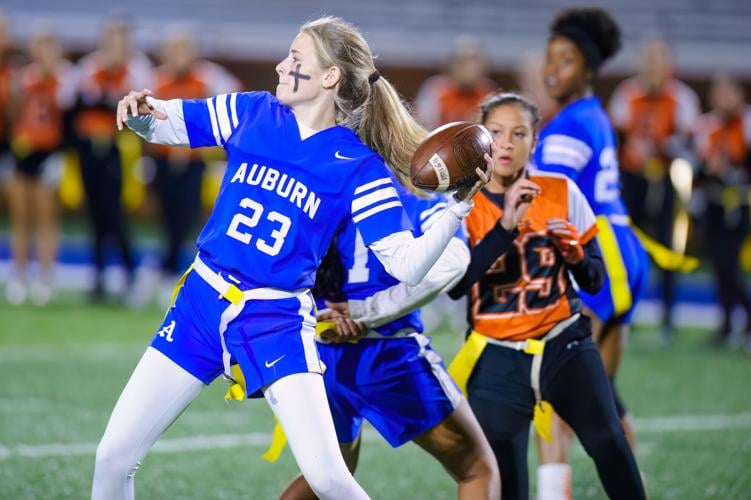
x=483, y=255
x=590, y=272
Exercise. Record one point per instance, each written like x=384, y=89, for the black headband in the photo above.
x=374, y=76
x=584, y=41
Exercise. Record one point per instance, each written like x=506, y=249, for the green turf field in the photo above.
x=61, y=369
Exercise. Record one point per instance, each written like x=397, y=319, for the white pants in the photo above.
x=159, y=391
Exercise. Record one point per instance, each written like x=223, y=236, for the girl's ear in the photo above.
x=331, y=77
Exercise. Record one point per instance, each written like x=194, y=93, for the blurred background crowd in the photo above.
x=86, y=209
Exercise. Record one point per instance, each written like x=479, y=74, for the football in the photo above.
x=448, y=156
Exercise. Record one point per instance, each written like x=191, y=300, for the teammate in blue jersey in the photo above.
x=300, y=166
x=387, y=373
x=580, y=143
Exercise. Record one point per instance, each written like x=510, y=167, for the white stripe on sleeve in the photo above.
x=559, y=149
x=373, y=198
x=212, y=115
x=372, y=184
x=233, y=109
x=223, y=117
x=380, y=208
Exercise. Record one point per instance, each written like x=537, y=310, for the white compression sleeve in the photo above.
x=409, y=259
x=299, y=403
x=400, y=299
x=156, y=394
x=170, y=132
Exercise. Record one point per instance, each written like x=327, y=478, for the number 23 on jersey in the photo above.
x=243, y=222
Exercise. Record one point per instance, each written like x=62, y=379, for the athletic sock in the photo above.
x=554, y=482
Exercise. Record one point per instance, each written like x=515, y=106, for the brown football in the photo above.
x=449, y=155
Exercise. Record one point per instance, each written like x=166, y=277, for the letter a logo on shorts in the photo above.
x=166, y=332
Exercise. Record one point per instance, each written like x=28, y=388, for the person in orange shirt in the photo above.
x=723, y=143
x=7, y=67
x=653, y=113
x=105, y=75
x=43, y=91
x=529, y=234
x=179, y=172
x=455, y=95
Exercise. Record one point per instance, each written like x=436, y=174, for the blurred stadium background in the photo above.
x=62, y=365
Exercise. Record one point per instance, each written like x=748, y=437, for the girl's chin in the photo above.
x=507, y=171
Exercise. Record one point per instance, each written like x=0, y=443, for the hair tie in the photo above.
x=374, y=76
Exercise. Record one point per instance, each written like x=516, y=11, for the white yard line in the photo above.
x=651, y=425
x=43, y=353
x=693, y=423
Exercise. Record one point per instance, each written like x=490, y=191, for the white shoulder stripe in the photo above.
x=558, y=149
x=212, y=115
x=373, y=198
x=557, y=158
x=372, y=184
x=564, y=161
x=568, y=142
x=380, y=208
x=223, y=117
x=233, y=109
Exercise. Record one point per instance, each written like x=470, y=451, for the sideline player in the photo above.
x=42, y=94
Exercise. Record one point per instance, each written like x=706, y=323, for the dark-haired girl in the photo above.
x=529, y=232
x=580, y=143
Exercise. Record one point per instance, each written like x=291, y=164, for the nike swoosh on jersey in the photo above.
x=269, y=365
x=340, y=156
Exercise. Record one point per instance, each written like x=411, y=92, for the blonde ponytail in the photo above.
x=365, y=101
x=389, y=129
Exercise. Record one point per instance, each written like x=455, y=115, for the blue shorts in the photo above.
x=627, y=266
x=399, y=385
x=269, y=339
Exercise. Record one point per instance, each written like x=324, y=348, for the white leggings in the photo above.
x=158, y=392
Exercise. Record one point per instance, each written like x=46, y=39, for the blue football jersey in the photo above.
x=282, y=198
x=364, y=273
x=580, y=143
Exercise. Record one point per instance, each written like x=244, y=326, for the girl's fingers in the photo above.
x=326, y=315
x=484, y=177
x=119, y=115
x=341, y=326
x=133, y=106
